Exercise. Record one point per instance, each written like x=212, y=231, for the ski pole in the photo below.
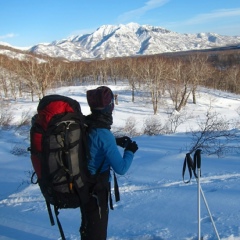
x=210, y=215
x=197, y=157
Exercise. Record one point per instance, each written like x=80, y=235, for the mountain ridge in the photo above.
x=132, y=39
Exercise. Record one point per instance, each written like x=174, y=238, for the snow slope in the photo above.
x=155, y=203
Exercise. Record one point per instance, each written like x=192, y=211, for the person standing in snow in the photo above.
x=104, y=155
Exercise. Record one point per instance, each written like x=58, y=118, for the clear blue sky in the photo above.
x=24, y=23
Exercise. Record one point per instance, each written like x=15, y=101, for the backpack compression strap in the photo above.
x=58, y=223
x=52, y=219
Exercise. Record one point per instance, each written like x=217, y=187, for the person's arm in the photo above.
x=120, y=164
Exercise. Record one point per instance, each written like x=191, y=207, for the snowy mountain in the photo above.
x=130, y=40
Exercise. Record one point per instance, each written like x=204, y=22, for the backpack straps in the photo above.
x=52, y=219
x=116, y=188
x=116, y=191
x=97, y=184
x=58, y=223
x=50, y=213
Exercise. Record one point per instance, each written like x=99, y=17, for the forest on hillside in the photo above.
x=176, y=75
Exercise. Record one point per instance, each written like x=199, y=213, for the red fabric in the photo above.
x=37, y=147
x=53, y=108
x=37, y=141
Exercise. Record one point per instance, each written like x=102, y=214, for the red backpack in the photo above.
x=59, y=153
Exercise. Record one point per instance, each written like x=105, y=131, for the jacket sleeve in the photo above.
x=120, y=164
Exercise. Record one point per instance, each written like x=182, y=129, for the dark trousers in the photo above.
x=95, y=217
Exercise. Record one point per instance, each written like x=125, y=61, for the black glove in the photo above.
x=123, y=141
x=133, y=147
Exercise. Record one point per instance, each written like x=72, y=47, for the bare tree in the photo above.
x=4, y=83
x=175, y=119
x=131, y=72
x=153, y=126
x=153, y=72
x=233, y=77
x=179, y=86
x=213, y=135
x=4, y=75
x=29, y=71
x=46, y=75
x=199, y=71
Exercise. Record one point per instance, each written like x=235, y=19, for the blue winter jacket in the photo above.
x=103, y=147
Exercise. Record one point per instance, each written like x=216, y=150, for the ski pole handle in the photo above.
x=198, y=158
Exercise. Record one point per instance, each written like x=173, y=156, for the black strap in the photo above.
x=50, y=213
x=188, y=162
x=52, y=219
x=59, y=224
x=66, y=146
x=116, y=192
x=85, y=144
x=34, y=175
x=110, y=197
x=116, y=188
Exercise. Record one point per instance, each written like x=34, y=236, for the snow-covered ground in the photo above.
x=155, y=203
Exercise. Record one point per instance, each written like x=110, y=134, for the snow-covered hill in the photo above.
x=130, y=40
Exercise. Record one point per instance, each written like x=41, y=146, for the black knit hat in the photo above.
x=101, y=99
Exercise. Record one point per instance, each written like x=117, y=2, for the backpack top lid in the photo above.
x=52, y=105
x=101, y=99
